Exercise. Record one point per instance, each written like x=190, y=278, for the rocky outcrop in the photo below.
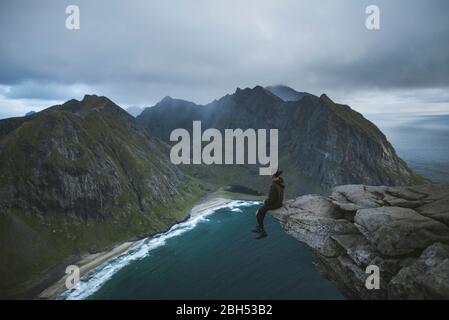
x=404, y=231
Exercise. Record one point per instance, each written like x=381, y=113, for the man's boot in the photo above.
x=261, y=235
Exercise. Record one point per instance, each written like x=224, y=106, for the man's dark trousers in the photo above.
x=260, y=215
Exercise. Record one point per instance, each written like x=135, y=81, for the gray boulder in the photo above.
x=397, y=231
x=427, y=277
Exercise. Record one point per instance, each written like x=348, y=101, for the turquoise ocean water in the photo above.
x=213, y=256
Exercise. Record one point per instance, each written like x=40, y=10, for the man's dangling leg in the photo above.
x=260, y=216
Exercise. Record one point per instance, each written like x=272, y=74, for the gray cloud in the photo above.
x=138, y=51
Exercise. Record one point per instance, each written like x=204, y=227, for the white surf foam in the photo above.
x=96, y=278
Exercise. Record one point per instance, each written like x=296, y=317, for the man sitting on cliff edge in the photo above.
x=274, y=201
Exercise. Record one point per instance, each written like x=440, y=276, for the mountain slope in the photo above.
x=77, y=178
x=321, y=144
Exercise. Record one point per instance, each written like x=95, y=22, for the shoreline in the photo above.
x=88, y=262
x=85, y=264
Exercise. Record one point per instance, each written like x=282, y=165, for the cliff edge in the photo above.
x=404, y=231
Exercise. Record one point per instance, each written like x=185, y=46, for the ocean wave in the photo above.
x=96, y=278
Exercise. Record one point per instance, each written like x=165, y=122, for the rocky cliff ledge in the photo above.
x=402, y=230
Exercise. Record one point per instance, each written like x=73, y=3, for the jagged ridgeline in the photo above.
x=78, y=178
x=322, y=144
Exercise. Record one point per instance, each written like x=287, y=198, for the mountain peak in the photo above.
x=248, y=89
x=169, y=101
x=286, y=93
x=256, y=91
x=326, y=99
x=253, y=96
x=94, y=100
x=166, y=99
x=88, y=103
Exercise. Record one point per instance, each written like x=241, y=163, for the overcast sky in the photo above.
x=138, y=51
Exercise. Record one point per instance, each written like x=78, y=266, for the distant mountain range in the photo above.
x=84, y=175
x=322, y=144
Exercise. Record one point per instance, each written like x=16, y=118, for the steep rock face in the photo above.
x=402, y=230
x=80, y=177
x=321, y=144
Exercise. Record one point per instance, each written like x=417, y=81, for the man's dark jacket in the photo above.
x=276, y=195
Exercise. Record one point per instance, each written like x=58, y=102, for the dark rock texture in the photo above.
x=402, y=230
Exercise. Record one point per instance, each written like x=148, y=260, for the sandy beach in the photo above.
x=86, y=264
x=92, y=261
x=208, y=203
